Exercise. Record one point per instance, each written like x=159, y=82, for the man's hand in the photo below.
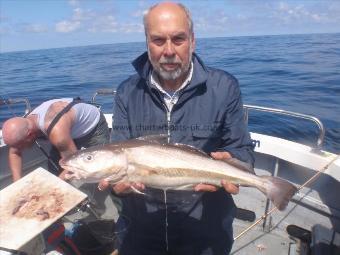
x=62, y=175
x=229, y=187
x=121, y=187
x=220, y=155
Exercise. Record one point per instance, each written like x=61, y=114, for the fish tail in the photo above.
x=278, y=190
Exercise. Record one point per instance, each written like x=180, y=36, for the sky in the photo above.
x=41, y=24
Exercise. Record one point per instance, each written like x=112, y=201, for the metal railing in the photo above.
x=11, y=101
x=102, y=92
x=247, y=108
x=319, y=124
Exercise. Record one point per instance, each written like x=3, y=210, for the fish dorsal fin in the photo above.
x=190, y=149
x=157, y=139
x=240, y=164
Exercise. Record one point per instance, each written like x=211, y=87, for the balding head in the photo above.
x=15, y=131
x=170, y=42
x=169, y=7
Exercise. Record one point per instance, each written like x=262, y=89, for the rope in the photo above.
x=313, y=178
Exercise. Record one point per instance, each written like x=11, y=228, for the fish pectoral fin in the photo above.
x=113, y=179
x=185, y=187
x=141, y=170
x=137, y=191
x=240, y=165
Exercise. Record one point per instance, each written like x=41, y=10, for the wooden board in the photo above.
x=30, y=205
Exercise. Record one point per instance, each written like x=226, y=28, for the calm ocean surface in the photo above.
x=292, y=72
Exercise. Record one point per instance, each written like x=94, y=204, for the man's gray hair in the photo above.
x=185, y=9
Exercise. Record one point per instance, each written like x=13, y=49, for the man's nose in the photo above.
x=169, y=49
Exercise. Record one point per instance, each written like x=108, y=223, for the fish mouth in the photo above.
x=71, y=170
x=63, y=164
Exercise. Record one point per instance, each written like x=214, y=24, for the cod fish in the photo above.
x=168, y=166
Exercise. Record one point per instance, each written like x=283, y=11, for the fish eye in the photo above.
x=88, y=157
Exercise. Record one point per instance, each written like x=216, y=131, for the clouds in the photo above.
x=30, y=28
x=96, y=22
x=66, y=26
x=311, y=12
x=74, y=2
x=9, y=26
x=211, y=17
x=80, y=17
x=76, y=21
x=84, y=22
x=100, y=21
x=35, y=28
x=289, y=13
x=248, y=17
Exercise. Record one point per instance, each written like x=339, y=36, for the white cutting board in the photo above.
x=31, y=204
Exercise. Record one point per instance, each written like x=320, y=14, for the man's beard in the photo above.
x=174, y=74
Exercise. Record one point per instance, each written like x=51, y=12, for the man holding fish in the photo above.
x=169, y=189
x=172, y=89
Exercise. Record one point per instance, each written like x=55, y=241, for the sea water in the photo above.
x=291, y=72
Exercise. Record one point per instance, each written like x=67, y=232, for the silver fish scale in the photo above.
x=171, y=162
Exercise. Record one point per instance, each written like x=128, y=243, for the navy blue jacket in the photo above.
x=209, y=116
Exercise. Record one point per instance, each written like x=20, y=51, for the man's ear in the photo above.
x=31, y=134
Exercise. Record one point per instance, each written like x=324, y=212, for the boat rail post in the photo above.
x=12, y=101
x=321, y=136
x=102, y=92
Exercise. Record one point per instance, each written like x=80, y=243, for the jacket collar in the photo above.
x=144, y=67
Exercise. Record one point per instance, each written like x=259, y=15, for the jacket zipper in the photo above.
x=168, y=117
x=168, y=120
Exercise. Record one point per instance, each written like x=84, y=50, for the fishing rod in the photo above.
x=50, y=160
x=313, y=178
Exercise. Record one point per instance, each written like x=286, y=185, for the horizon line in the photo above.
x=137, y=41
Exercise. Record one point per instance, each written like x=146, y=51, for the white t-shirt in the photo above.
x=86, y=116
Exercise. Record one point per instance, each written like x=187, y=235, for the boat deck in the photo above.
x=315, y=204
x=256, y=241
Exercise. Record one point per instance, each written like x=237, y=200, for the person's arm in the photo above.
x=15, y=163
x=60, y=137
x=236, y=138
x=229, y=187
x=120, y=124
x=236, y=142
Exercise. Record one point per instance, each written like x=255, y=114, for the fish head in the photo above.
x=95, y=164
